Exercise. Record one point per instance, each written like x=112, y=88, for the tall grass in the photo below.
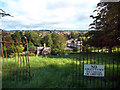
x=45, y=72
x=57, y=71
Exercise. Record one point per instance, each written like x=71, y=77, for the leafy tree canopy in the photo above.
x=48, y=40
x=59, y=43
x=16, y=36
x=33, y=37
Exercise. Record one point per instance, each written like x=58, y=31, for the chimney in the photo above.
x=44, y=45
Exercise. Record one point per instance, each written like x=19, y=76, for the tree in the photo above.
x=48, y=40
x=32, y=49
x=16, y=36
x=28, y=35
x=67, y=36
x=106, y=25
x=8, y=38
x=5, y=37
x=22, y=36
x=6, y=46
x=74, y=35
x=12, y=49
x=33, y=37
x=30, y=44
x=55, y=38
x=59, y=43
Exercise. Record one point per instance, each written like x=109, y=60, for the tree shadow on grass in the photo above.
x=54, y=76
x=86, y=55
x=51, y=76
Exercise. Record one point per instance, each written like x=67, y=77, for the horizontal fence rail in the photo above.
x=96, y=67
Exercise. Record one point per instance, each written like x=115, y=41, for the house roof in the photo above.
x=39, y=48
x=67, y=48
x=46, y=48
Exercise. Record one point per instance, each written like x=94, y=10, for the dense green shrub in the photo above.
x=68, y=51
x=13, y=49
x=8, y=50
x=75, y=49
x=32, y=49
x=31, y=54
x=89, y=62
x=11, y=56
x=61, y=52
x=56, y=51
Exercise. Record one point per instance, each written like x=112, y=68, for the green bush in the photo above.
x=11, y=56
x=75, y=49
x=19, y=49
x=13, y=49
x=61, y=52
x=31, y=54
x=89, y=62
x=32, y=49
x=8, y=50
x=56, y=51
x=68, y=51
x=89, y=49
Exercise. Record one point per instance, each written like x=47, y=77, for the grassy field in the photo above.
x=57, y=71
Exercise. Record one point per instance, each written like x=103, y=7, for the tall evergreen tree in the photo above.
x=106, y=24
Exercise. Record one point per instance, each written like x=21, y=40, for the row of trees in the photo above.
x=55, y=41
x=10, y=47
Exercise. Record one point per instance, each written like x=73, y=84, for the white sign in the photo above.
x=93, y=70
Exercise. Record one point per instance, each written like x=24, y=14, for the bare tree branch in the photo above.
x=3, y=13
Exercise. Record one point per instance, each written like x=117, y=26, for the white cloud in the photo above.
x=48, y=13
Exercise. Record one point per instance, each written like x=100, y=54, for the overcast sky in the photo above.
x=47, y=14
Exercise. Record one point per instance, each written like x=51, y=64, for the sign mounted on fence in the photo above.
x=93, y=70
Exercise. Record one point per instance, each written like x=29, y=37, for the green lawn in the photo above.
x=45, y=72
x=57, y=71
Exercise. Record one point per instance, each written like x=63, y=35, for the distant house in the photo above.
x=43, y=50
x=71, y=45
x=46, y=51
x=75, y=44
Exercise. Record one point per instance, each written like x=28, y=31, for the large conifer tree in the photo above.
x=106, y=24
